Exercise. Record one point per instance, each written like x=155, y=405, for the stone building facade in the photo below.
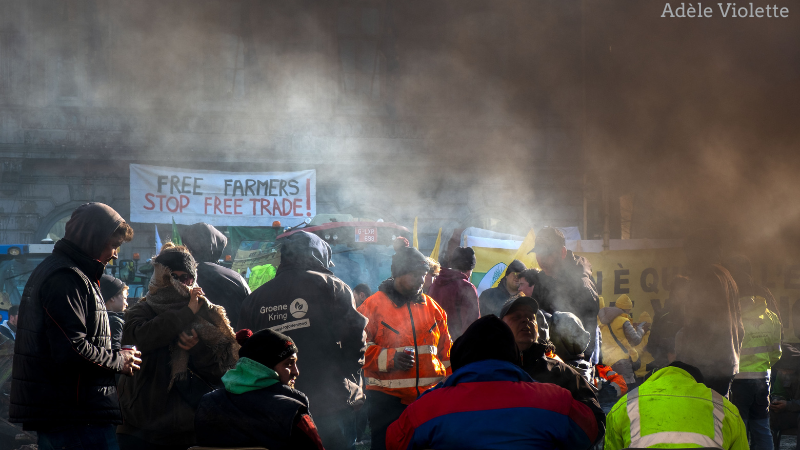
x=461, y=113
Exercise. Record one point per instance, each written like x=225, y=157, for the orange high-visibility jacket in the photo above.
x=422, y=325
x=616, y=380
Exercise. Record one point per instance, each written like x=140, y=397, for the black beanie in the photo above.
x=515, y=266
x=463, y=259
x=110, y=286
x=177, y=259
x=407, y=259
x=487, y=338
x=267, y=347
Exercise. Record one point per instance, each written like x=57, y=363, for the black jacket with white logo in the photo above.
x=308, y=303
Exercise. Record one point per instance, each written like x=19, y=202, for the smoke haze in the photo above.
x=453, y=111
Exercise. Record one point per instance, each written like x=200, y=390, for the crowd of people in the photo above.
x=539, y=362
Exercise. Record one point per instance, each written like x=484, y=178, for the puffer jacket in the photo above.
x=63, y=370
x=459, y=299
x=221, y=285
x=493, y=404
x=271, y=417
x=308, y=303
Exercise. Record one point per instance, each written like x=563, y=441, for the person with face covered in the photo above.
x=259, y=406
x=63, y=372
x=408, y=341
x=317, y=310
x=187, y=344
x=226, y=287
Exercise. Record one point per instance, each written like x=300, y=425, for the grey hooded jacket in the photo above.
x=222, y=286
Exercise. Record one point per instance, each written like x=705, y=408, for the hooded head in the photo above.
x=91, y=226
x=204, y=241
x=568, y=334
x=306, y=251
x=487, y=338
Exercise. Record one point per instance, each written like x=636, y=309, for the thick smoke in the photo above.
x=454, y=111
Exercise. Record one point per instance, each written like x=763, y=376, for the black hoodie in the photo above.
x=63, y=362
x=308, y=303
x=222, y=286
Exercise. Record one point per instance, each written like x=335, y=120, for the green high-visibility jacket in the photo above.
x=761, y=347
x=672, y=410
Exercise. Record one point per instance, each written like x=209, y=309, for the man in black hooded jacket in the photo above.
x=63, y=377
x=317, y=310
x=221, y=285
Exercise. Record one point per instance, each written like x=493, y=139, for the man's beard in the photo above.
x=409, y=292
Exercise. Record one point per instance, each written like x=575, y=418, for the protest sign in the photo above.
x=161, y=194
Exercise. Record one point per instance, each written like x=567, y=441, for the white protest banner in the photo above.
x=159, y=194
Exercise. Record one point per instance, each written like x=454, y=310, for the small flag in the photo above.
x=176, y=237
x=158, y=240
x=435, y=252
x=523, y=254
x=415, y=242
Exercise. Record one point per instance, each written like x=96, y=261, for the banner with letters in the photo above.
x=645, y=276
x=161, y=194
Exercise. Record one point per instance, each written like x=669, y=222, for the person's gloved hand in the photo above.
x=403, y=361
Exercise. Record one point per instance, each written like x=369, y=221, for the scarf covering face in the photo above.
x=249, y=376
x=211, y=324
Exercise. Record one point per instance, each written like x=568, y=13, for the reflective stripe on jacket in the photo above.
x=761, y=347
x=616, y=380
x=422, y=325
x=672, y=410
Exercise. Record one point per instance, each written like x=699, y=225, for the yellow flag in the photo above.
x=435, y=252
x=415, y=242
x=529, y=259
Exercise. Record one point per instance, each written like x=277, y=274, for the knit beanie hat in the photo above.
x=624, y=302
x=110, y=286
x=177, y=259
x=645, y=317
x=407, y=259
x=463, y=259
x=267, y=347
x=515, y=266
x=487, y=338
